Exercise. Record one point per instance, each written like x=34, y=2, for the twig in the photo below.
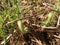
x=51, y=28
x=58, y=23
x=11, y=21
x=36, y=25
x=44, y=27
x=6, y=39
x=56, y=36
x=51, y=31
x=48, y=29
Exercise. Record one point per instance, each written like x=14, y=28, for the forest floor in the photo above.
x=41, y=19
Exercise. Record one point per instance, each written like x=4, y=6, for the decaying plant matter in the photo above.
x=30, y=22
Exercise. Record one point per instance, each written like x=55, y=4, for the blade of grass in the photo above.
x=22, y=28
x=50, y=18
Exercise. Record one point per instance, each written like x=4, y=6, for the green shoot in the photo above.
x=22, y=28
x=50, y=18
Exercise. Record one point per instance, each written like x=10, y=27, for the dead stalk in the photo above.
x=58, y=22
x=56, y=36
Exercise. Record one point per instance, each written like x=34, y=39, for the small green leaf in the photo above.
x=20, y=25
x=50, y=18
x=1, y=19
x=22, y=28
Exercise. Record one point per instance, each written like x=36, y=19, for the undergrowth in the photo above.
x=12, y=9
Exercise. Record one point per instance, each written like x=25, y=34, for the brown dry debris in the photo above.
x=37, y=35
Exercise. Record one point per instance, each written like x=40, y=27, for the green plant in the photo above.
x=22, y=28
x=51, y=17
